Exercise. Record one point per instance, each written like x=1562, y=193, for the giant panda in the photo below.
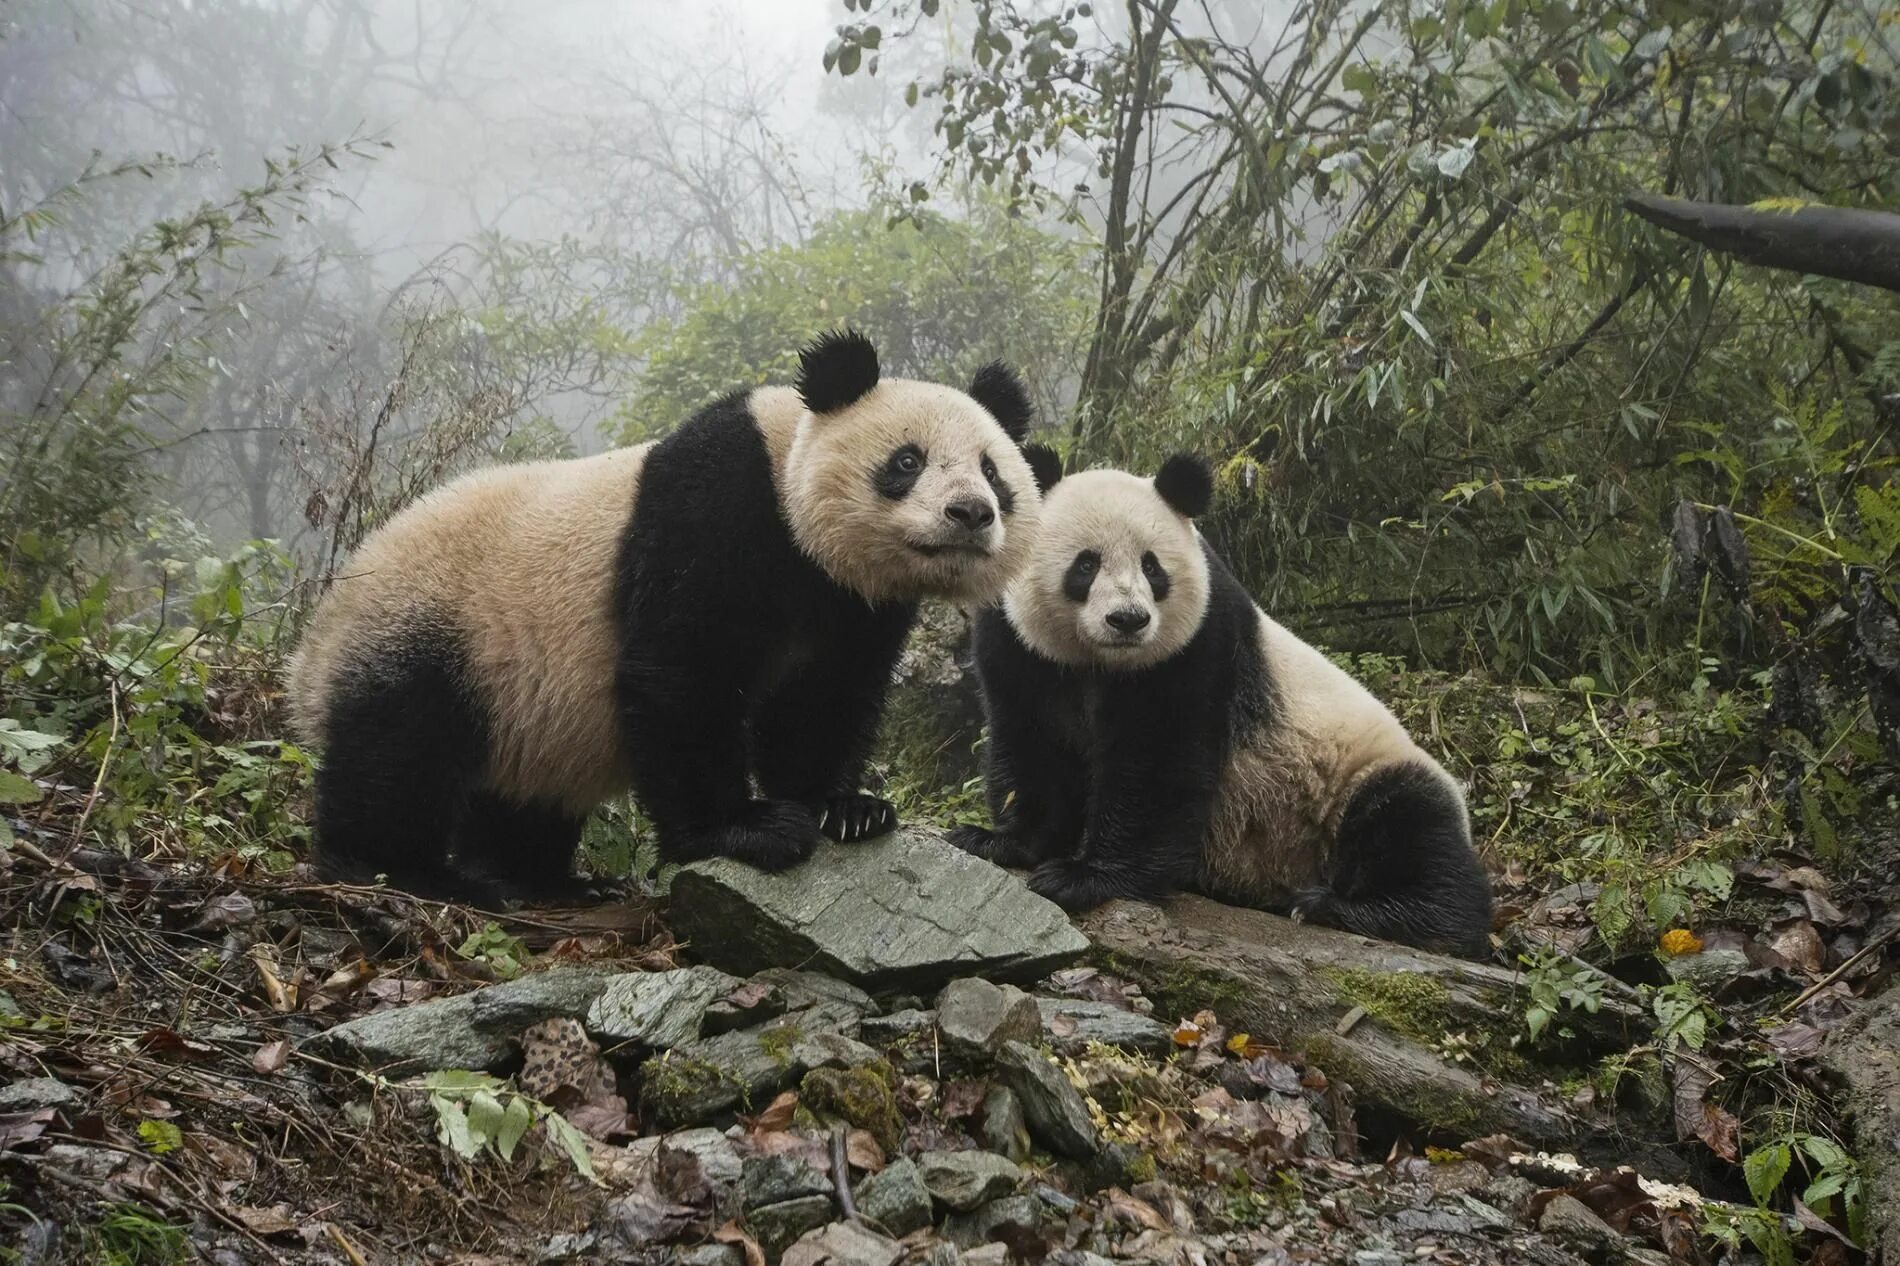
x=710, y=620
x=1150, y=727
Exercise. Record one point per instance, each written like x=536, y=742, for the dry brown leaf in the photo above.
x=340, y=984
x=731, y=1234
x=281, y=997
x=275, y=1220
x=270, y=1057
x=1800, y=944
x=1135, y=1212
x=777, y=1115
x=1721, y=1131
x=172, y=1044
x=862, y=1151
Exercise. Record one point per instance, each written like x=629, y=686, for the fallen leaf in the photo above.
x=777, y=1115
x=861, y=1151
x=282, y=997
x=1818, y=1224
x=275, y=1220
x=1799, y=943
x=174, y=1045
x=1680, y=941
x=1135, y=1212
x=1796, y=1040
x=731, y=1234
x=232, y=910
x=23, y=1127
x=341, y=984
x=1244, y=1045
x=1721, y=1131
x=270, y=1057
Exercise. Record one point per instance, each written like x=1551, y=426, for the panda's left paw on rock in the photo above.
x=850, y=818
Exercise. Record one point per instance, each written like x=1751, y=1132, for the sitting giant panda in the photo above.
x=688, y=618
x=1151, y=727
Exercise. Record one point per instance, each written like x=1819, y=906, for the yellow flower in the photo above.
x=1681, y=941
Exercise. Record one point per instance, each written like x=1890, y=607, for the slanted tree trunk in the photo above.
x=1839, y=242
x=1415, y=1034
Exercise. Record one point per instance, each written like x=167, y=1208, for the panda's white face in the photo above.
x=1116, y=577
x=913, y=490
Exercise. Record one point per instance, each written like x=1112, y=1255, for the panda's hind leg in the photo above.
x=524, y=850
x=1404, y=869
x=403, y=741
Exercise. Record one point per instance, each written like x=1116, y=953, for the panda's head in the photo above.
x=1116, y=577
x=907, y=490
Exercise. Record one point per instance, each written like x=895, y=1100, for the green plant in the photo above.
x=477, y=1113
x=1683, y=1016
x=500, y=951
x=1555, y=985
x=133, y=1235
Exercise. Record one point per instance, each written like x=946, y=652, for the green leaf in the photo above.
x=452, y=1127
x=514, y=1123
x=485, y=1115
x=848, y=58
x=15, y=789
x=1417, y=328
x=1764, y=1168
x=160, y=1137
x=570, y=1140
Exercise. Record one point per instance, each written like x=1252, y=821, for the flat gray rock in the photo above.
x=905, y=912
x=983, y=1226
x=1053, y=1108
x=776, y=1179
x=36, y=1092
x=1001, y=1127
x=961, y=1181
x=472, y=1030
x=843, y=1244
x=661, y=1009
x=1073, y=1023
x=777, y=1226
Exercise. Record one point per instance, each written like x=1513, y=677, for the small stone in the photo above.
x=843, y=1244
x=661, y=1009
x=1053, y=1108
x=1570, y=1219
x=709, y=1255
x=961, y=1181
x=895, y=1197
x=987, y=1255
x=829, y=1004
x=976, y=1017
x=888, y=1030
x=37, y=1092
x=1023, y=1214
x=1377, y=1257
x=1000, y=1127
x=472, y=1030
x=938, y=1253
x=777, y=1226
x=1709, y=970
x=1073, y=1023
x=1510, y=1192
x=707, y=1079
x=776, y=1179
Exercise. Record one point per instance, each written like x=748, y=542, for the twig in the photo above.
x=841, y=1175
x=1843, y=969
x=99, y=779
x=350, y=1250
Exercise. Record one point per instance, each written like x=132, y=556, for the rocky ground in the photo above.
x=895, y=1054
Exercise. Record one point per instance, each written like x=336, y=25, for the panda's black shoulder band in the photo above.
x=1045, y=464
x=997, y=388
x=836, y=369
x=1186, y=484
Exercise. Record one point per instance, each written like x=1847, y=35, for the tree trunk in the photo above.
x=1838, y=242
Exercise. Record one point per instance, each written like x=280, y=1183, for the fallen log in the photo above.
x=1845, y=243
x=1415, y=1034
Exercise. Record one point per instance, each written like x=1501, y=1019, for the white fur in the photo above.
x=1121, y=517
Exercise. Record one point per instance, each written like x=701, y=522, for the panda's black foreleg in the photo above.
x=1036, y=790
x=1403, y=868
x=685, y=734
x=813, y=735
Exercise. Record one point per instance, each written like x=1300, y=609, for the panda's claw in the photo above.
x=857, y=816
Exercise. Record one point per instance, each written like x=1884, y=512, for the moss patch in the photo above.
x=1419, y=1008
x=777, y=1043
x=1178, y=989
x=862, y=1096
x=673, y=1086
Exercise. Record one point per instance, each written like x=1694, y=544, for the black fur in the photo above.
x=740, y=658
x=1404, y=870
x=1186, y=484
x=1159, y=582
x=836, y=369
x=1045, y=464
x=1105, y=783
x=1080, y=576
x=997, y=388
x=405, y=737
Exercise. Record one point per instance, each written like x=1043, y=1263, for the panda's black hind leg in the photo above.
x=402, y=742
x=768, y=834
x=1404, y=869
x=523, y=850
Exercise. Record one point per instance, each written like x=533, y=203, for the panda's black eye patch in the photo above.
x=1005, y=495
x=1157, y=575
x=898, y=475
x=1077, y=581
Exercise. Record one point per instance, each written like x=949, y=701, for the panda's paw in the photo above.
x=994, y=846
x=771, y=835
x=1073, y=885
x=857, y=816
x=1311, y=905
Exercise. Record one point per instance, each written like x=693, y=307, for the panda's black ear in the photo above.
x=836, y=369
x=1045, y=464
x=997, y=388
x=1186, y=484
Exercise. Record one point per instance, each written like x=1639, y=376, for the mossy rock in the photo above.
x=863, y=1096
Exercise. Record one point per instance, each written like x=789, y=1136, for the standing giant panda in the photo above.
x=1151, y=727
x=689, y=618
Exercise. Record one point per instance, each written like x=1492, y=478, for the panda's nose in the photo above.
x=1128, y=620
x=972, y=514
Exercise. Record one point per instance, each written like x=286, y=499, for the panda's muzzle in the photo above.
x=970, y=521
